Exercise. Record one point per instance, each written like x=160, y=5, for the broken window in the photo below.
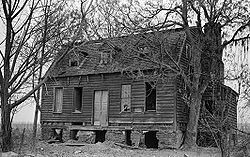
x=58, y=100
x=73, y=63
x=126, y=98
x=105, y=57
x=150, y=96
x=77, y=99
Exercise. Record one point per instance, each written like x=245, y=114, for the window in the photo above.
x=77, y=99
x=150, y=96
x=58, y=100
x=126, y=98
x=209, y=106
x=144, y=51
x=105, y=57
x=73, y=63
x=188, y=51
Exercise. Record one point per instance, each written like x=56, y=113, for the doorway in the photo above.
x=101, y=108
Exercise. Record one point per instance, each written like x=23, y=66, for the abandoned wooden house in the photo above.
x=93, y=89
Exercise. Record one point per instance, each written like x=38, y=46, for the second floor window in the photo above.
x=73, y=63
x=105, y=57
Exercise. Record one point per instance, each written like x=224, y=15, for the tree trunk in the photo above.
x=6, y=126
x=35, y=124
x=192, y=126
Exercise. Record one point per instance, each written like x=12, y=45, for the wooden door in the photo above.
x=101, y=108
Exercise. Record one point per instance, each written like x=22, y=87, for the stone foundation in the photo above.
x=86, y=136
x=46, y=132
x=162, y=139
x=115, y=136
x=137, y=138
x=169, y=139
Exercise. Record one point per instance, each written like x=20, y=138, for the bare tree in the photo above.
x=35, y=30
x=219, y=23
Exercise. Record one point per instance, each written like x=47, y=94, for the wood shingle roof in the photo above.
x=88, y=55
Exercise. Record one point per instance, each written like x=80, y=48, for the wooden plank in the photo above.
x=104, y=108
x=97, y=107
x=58, y=99
x=111, y=82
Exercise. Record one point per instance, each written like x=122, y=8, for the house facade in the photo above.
x=94, y=89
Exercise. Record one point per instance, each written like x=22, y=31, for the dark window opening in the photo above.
x=77, y=99
x=73, y=63
x=188, y=51
x=150, y=96
x=209, y=106
x=191, y=73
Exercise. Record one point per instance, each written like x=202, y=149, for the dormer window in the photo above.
x=144, y=51
x=73, y=63
x=105, y=57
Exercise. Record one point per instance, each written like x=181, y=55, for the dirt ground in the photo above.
x=105, y=149
x=109, y=149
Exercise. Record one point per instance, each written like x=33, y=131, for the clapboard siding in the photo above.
x=112, y=82
x=225, y=99
x=181, y=106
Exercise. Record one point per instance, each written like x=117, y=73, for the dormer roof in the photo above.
x=90, y=63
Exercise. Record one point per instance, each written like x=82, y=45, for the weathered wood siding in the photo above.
x=112, y=82
x=225, y=99
x=181, y=91
x=181, y=106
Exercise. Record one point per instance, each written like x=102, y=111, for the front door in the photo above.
x=101, y=108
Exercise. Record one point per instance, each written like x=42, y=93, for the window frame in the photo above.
x=106, y=57
x=123, y=98
x=144, y=51
x=73, y=60
x=188, y=51
x=145, y=88
x=74, y=100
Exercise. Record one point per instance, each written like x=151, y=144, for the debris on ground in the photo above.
x=9, y=154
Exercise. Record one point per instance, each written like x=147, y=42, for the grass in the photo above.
x=27, y=143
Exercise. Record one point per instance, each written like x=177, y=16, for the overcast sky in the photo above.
x=26, y=113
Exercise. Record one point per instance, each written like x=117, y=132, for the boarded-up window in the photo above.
x=58, y=99
x=126, y=98
x=77, y=99
x=150, y=96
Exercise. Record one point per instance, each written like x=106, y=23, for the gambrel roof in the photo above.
x=88, y=55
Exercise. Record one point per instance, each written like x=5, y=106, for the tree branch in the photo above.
x=225, y=43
